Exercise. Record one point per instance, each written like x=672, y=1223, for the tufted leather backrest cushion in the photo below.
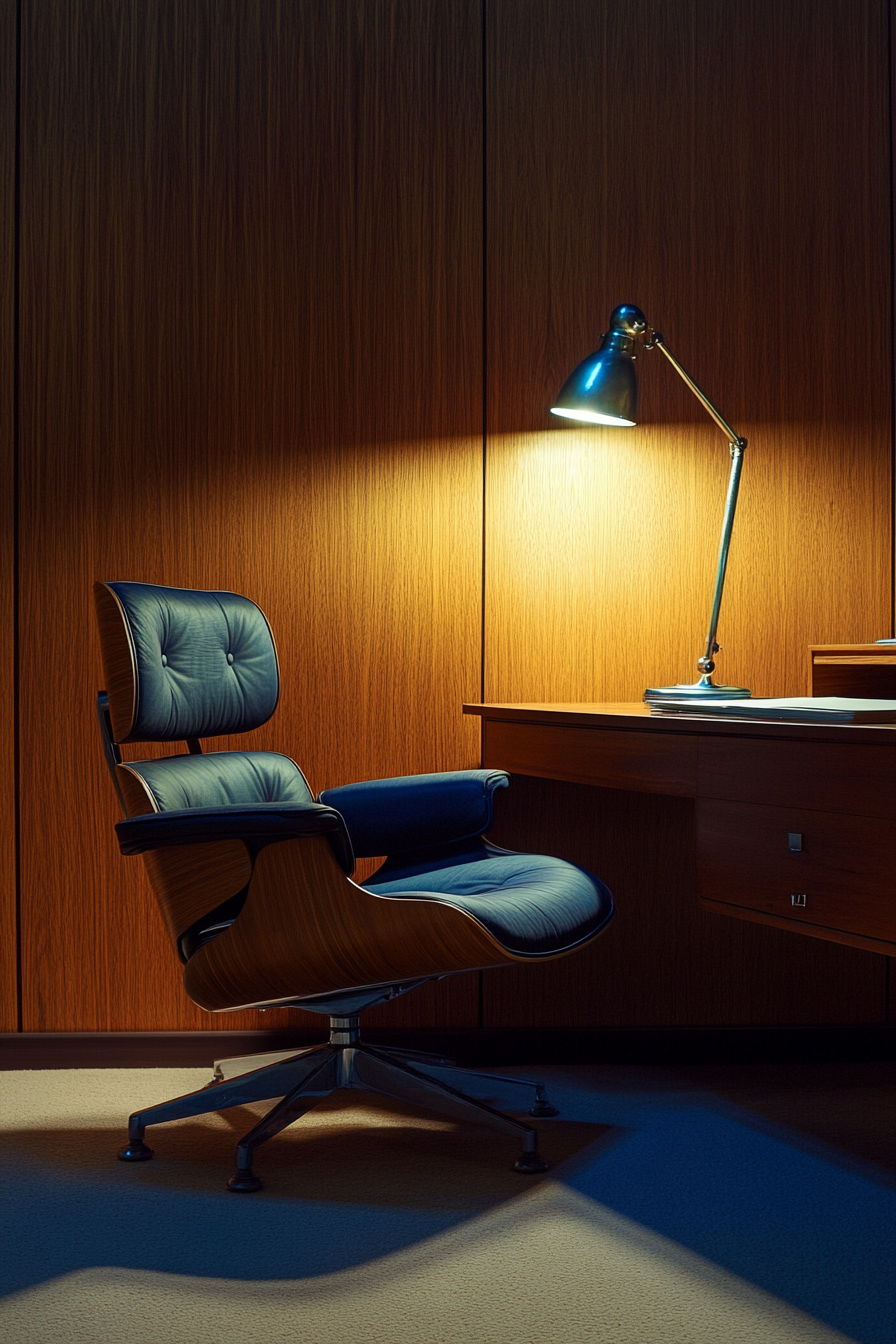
x=220, y=779
x=180, y=663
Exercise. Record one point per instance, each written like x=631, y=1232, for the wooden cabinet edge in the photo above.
x=798, y=926
x=636, y=763
x=853, y=670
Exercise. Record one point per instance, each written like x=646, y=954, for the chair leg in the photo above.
x=300, y=1078
x=474, y=1083
x=376, y=1072
x=320, y=1082
x=235, y=1065
x=416, y=1057
x=258, y=1085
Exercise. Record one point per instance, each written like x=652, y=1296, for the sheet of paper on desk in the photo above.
x=803, y=709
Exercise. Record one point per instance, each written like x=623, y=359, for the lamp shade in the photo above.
x=603, y=390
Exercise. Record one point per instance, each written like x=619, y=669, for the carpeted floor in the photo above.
x=685, y=1205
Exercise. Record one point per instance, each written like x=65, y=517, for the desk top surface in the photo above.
x=636, y=717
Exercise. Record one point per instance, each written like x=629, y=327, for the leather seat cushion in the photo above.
x=532, y=904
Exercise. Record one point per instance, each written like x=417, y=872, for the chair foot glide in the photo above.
x=135, y=1152
x=542, y=1107
x=244, y=1182
x=531, y=1164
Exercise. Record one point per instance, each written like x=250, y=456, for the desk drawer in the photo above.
x=851, y=778
x=843, y=878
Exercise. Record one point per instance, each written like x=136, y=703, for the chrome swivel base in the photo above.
x=301, y=1078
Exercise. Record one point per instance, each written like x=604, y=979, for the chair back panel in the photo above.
x=180, y=663
x=191, y=880
x=308, y=929
x=215, y=779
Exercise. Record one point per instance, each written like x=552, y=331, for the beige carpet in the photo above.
x=465, y=1251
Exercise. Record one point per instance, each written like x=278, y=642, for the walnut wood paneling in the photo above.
x=251, y=360
x=725, y=167
x=8, y=930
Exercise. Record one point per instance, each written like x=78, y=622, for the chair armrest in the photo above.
x=389, y=816
x=257, y=823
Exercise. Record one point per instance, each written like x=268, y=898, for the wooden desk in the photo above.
x=796, y=823
x=867, y=670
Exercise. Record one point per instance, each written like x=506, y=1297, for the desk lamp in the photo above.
x=603, y=391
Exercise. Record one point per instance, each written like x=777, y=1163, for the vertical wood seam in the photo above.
x=888, y=973
x=483, y=75
x=16, y=460
x=892, y=324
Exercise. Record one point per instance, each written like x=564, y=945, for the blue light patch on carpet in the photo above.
x=811, y=1231
x=802, y=1224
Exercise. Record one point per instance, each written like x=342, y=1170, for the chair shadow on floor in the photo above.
x=353, y=1180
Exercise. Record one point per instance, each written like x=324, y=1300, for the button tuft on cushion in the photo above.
x=230, y=657
x=164, y=660
x=198, y=693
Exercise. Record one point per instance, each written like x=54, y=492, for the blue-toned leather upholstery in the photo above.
x=257, y=824
x=205, y=662
x=386, y=816
x=534, y=905
x=219, y=778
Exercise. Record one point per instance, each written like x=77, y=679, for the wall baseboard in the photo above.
x=625, y=1045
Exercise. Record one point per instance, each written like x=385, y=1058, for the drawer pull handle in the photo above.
x=794, y=842
x=798, y=898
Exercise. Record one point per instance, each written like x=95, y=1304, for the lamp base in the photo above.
x=703, y=690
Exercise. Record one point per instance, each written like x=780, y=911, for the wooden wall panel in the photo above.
x=251, y=360
x=726, y=168
x=8, y=917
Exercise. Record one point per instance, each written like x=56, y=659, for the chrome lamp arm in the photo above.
x=736, y=444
